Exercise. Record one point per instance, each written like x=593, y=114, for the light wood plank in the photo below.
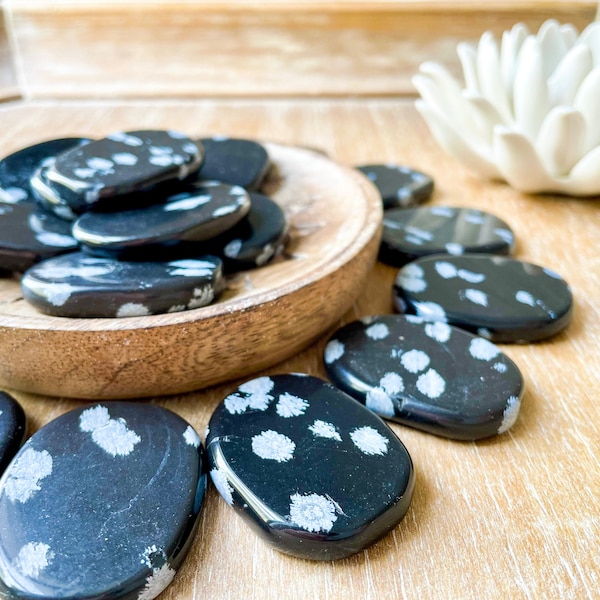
x=161, y=48
x=516, y=516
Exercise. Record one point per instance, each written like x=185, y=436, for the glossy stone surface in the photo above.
x=29, y=234
x=13, y=426
x=98, y=173
x=77, y=285
x=498, y=298
x=203, y=211
x=427, y=375
x=311, y=470
x=101, y=503
x=411, y=233
x=17, y=168
x=234, y=161
x=48, y=196
x=399, y=185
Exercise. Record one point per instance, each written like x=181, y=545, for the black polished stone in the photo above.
x=427, y=375
x=311, y=470
x=234, y=161
x=200, y=212
x=101, y=503
x=48, y=197
x=17, y=168
x=77, y=285
x=498, y=298
x=411, y=233
x=13, y=426
x=99, y=173
x=399, y=185
x=29, y=234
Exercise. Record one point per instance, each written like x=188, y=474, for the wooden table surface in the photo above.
x=516, y=516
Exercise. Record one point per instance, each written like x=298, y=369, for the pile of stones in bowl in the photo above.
x=136, y=223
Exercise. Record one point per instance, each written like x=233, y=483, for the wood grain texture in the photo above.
x=516, y=516
x=146, y=49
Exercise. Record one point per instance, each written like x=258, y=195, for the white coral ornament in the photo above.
x=529, y=113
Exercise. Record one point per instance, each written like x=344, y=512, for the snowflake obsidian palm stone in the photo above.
x=427, y=375
x=199, y=212
x=101, y=503
x=411, y=233
x=29, y=234
x=398, y=185
x=499, y=298
x=77, y=285
x=314, y=472
x=234, y=161
x=17, y=169
x=13, y=426
x=122, y=163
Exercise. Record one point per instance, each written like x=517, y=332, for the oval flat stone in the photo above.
x=411, y=233
x=399, y=185
x=122, y=163
x=77, y=285
x=13, y=425
x=17, y=168
x=499, y=298
x=234, y=161
x=311, y=470
x=29, y=234
x=102, y=503
x=427, y=375
x=200, y=212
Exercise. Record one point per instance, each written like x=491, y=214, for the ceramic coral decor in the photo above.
x=529, y=111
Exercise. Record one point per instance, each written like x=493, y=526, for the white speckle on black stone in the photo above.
x=440, y=332
x=333, y=351
x=415, y=361
x=33, y=558
x=271, y=445
x=431, y=384
x=112, y=435
x=446, y=269
x=377, y=331
x=28, y=470
x=369, y=441
x=483, y=349
x=378, y=400
x=454, y=248
x=525, y=298
x=191, y=437
x=132, y=309
x=255, y=396
x=220, y=482
x=312, y=512
x=476, y=296
x=325, y=430
x=431, y=310
x=289, y=405
x=510, y=414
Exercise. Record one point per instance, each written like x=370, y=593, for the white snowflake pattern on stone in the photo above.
x=379, y=402
x=325, y=430
x=500, y=367
x=445, y=269
x=125, y=159
x=267, y=253
x=392, y=383
x=58, y=240
x=222, y=485
x=202, y=296
x=289, y=405
x=312, y=512
x=256, y=396
x=112, y=435
x=124, y=138
x=475, y=218
x=191, y=437
x=26, y=472
x=431, y=384
x=470, y=276
x=525, y=298
x=157, y=582
x=431, y=311
x=84, y=172
x=415, y=361
x=333, y=351
x=232, y=249
x=454, y=249
x=56, y=293
x=505, y=235
x=377, y=331
x=440, y=332
x=33, y=558
x=271, y=445
x=188, y=203
x=476, y=297
x=442, y=211
x=369, y=441
x=411, y=278
x=511, y=412
x=132, y=309
x=483, y=349
x=100, y=164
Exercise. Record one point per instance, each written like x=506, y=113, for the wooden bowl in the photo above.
x=264, y=316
